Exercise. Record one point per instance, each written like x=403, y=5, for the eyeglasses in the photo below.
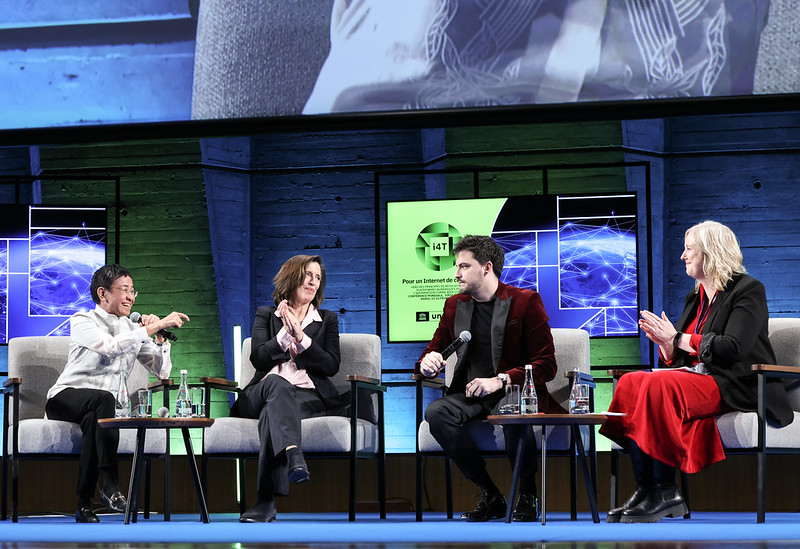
x=125, y=291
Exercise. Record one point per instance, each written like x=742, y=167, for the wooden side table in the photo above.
x=142, y=424
x=574, y=421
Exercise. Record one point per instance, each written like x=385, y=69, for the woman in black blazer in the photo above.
x=295, y=350
x=705, y=361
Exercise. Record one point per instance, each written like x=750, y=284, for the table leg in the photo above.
x=136, y=471
x=512, y=496
x=198, y=487
x=544, y=475
x=587, y=479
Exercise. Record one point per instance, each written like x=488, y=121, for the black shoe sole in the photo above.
x=674, y=512
x=254, y=520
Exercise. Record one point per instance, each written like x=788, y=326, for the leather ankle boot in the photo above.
x=661, y=501
x=638, y=495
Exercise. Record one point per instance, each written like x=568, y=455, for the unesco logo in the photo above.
x=423, y=316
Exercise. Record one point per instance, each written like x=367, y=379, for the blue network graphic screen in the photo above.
x=47, y=258
x=579, y=253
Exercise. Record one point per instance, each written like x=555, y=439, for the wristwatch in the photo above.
x=503, y=378
x=676, y=341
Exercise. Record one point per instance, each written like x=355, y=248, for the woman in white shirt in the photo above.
x=105, y=345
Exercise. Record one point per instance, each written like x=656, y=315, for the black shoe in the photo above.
x=638, y=495
x=489, y=507
x=262, y=511
x=114, y=502
x=86, y=515
x=527, y=509
x=661, y=501
x=298, y=470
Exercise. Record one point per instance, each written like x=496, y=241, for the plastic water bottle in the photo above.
x=183, y=407
x=122, y=404
x=529, y=402
x=578, y=396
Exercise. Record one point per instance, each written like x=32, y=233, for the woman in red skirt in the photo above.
x=705, y=359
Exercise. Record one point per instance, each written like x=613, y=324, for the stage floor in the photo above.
x=703, y=530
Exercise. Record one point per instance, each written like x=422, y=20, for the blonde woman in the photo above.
x=704, y=371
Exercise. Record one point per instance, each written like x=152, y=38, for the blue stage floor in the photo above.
x=400, y=530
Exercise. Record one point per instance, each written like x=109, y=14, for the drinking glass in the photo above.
x=145, y=403
x=510, y=402
x=198, y=401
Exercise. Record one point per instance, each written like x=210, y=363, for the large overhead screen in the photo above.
x=98, y=63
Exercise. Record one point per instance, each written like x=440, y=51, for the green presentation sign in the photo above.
x=421, y=265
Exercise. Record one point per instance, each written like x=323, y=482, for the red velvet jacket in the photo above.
x=520, y=336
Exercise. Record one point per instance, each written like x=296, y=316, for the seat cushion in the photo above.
x=233, y=435
x=739, y=430
x=489, y=438
x=50, y=436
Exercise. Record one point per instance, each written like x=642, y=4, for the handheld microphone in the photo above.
x=463, y=337
x=166, y=334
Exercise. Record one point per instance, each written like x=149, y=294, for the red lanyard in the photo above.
x=703, y=314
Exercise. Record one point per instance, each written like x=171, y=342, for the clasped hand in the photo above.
x=659, y=330
x=290, y=322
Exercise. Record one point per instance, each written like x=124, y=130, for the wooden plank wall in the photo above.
x=741, y=171
x=164, y=232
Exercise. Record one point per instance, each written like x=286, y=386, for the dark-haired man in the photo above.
x=104, y=346
x=509, y=330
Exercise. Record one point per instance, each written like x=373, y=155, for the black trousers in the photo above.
x=98, y=445
x=448, y=417
x=279, y=406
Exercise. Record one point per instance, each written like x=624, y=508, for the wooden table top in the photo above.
x=155, y=422
x=548, y=419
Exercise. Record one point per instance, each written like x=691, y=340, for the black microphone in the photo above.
x=463, y=337
x=166, y=334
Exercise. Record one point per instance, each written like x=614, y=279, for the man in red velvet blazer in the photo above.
x=509, y=330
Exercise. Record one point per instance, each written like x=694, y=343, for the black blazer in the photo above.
x=735, y=336
x=320, y=360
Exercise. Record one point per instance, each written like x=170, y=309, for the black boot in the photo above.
x=663, y=500
x=614, y=515
x=490, y=506
x=298, y=470
x=527, y=508
x=643, y=466
x=263, y=511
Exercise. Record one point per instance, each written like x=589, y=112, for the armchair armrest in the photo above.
x=616, y=373
x=433, y=382
x=160, y=385
x=220, y=383
x=10, y=384
x=364, y=379
x=775, y=370
x=586, y=379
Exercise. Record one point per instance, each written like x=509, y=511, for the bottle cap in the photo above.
x=184, y=371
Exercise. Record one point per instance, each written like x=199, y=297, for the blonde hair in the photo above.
x=722, y=257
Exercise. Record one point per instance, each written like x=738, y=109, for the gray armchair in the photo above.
x=34, y=364
x=572, y=352
x=358, y=435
